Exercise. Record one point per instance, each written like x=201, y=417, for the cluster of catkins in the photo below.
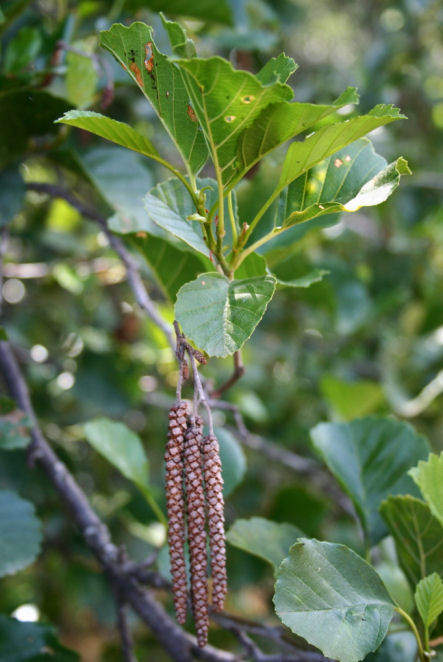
x=194, y=495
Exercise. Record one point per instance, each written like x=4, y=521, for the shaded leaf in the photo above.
x=122, y=180
x=162, y=84
x=263, y=538
x=117, y=132
x=331, y=597
x=172, y=267
x=13, y=191
x=226, y=102
x=31, y=642
x=418, y=536
x=122, y=448
x=180, y=43
x=370, y=457
x=211, y=10
x=253, y=265
x=397, y=647
x=429, y=477
x=429, y=598
x=233, y=460
x=281, y=121
x=168, y=205
x=220, y=315
x=25, y=113
x=13, y=432
x=20, y=533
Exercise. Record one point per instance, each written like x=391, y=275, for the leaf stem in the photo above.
x=421, y=653
x=155, y=507
x=232, y=219
x=238, y=259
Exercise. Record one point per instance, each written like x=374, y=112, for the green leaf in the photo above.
x=81, y=79
x=397, y=647
x=351, y=178
x=277, y=70
x=429, y=477
x=418, y=536
x=117, y=132
x=122, y=448
x=31, y=642
x=22, y=51
x=370, y=457
x=331, y=597
x=226, y=102
x=168, y=205
x=25, y=113
x=233, y=460
x=210, y=10
x=180, y=43
x=253, y=265
x=263, y=538
x=162, y=84
x=14, y=433
x=429, y=598
x=13, y=191
x=283, y=120
x=20, y=533
x=350, y=399
x=121, y=179
x=220, y=315
x=292, y=270
x=302, y=156
x=172, y=267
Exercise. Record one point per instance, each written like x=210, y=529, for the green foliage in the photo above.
x=233, y=460
x=429, y=598
x=220, y=315
x=332, y=598
x=20, y=533
x=14, y=434
x=263, y=538
x=429, y=477
x=31, y=642
x=417, y=534
x=370, y=458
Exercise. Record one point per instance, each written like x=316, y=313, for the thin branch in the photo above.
x=134, y=279
x=125, y=630
x=239, y=371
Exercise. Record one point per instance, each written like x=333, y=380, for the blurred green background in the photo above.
x=367, y=339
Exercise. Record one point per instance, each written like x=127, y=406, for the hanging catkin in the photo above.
x=216, y=519
x=178, y=421
x=195, y=499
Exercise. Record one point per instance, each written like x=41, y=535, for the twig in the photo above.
x=134, y=279
x=125, y=630
x=239, y=371
x=3, y=243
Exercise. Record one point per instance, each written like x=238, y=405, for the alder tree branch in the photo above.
x=124, y=630
x=132, y=272
x=239, y=371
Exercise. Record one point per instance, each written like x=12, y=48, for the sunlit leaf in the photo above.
x=350, y=399
x=331, y=597
x=429, y=477
x=281, y=121
x=226, y=102
x=264, y=538
x=370, y=458
x=20, y=533
x=117, y=132
x=220, y=315
x=162, y=83
x=81, y=79
x=429, y=598
x=418, y=536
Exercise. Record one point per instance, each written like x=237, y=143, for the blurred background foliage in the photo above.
x=367, y=339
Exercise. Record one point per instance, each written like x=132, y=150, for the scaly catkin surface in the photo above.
x=216, y=519
x=195, y=499
x=178, y=423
